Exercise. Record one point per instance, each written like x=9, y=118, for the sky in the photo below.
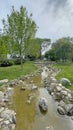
x=53, y=17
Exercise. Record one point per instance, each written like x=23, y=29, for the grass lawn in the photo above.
x=15, y=71
x=66, y=72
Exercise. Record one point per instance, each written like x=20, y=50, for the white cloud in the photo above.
x=53, y=23
x=54, y=19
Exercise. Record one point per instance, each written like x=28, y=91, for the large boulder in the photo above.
x=69, y=109
x=65, y=109
x=65, y=82
x=43, y=104
x=61, y=110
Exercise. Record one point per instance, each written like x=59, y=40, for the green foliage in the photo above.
x=61, y=50
x=33, y=49
x=19, y=27
x=3, y=46
x=51, y=55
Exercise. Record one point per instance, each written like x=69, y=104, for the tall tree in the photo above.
x=62, y=49
x=19, y=27
x=3, y=46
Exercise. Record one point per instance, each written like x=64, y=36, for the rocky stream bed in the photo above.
x=36, y=101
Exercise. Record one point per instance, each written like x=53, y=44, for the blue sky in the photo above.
x=53, y=17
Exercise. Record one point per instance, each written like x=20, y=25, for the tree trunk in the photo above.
x=21, y=59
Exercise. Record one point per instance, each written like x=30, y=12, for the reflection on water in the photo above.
x=29, y=116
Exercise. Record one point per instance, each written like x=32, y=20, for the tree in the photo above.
x=3, y=46
x=20, y=28
x=62, y=49
x=33, y=50
x=51, y=55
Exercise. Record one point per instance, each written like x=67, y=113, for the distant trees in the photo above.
x=20, y=28
x=33, y=50
x=51, y=55
x=62, y=49
x=18, y=38
x=35, y=46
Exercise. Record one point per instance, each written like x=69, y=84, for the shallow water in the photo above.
x=29, y=116
x=51, y=119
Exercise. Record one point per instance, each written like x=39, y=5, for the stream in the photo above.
x=51, y=120
x=30, y=117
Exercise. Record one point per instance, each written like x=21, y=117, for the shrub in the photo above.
x=17, y=61
x=6, y=62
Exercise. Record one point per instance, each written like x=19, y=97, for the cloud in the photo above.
x=57, y=4
x=54, y=17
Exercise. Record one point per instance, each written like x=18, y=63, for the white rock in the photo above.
x=43, y=103
x=1, y=95
x=9, y=92
x=6, y=122
x=58, y=88
x=1, y=119
x=53, y=80
x=49, y=128
x=28, y=101
x=69, y=95
x=60, y=85
x=63, y=92
x=3, y=81
x=33, y=87
x=52, y=93
x=12, y=126
x=44, y=73
x=7, y=114
x=1, y=109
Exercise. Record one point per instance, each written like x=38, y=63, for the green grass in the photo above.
x=66, y=72
x=15, y=71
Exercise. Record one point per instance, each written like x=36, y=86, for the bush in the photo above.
x=17, y=61
x=6, y=62
x=31, y=58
